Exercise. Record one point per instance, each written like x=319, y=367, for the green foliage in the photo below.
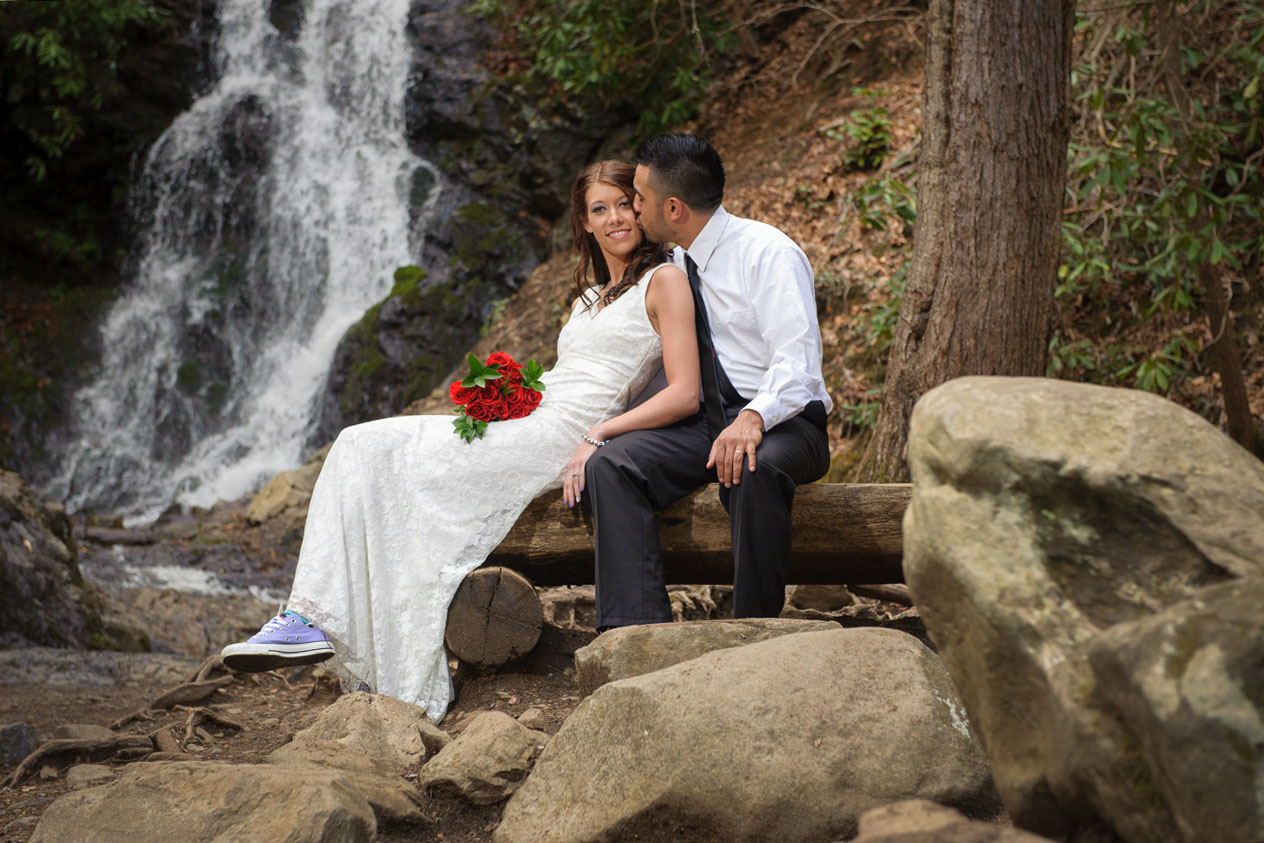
x=653, y=57
x=60, y=61
x=468, y=428
x=867, y=132
x=531, y=374
x=881, y=316
x=406, y=280
x=1164, y=179
x=806, y=194
x=863, y=414
x=479, y=374
x=884, y=200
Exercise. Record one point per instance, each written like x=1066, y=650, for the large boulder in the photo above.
x=1087, y=560
x=487, y=762
x=207, y=801
x=372, y=740
x=789, y=739
x=43, y=596
x=628, y=651
x=374, y=725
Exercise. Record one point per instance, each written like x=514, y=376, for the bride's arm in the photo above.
x=670, y=306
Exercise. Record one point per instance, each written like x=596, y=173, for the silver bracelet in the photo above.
x=597, y=442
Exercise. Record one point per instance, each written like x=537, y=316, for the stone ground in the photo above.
x=271, y=707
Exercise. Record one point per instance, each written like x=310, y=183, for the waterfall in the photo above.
x=270, y=215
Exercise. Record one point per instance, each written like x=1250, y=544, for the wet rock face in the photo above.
x=43, y=597
x=504, y=172
x=1090, y=562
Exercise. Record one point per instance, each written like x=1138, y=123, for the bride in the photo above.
x=404, y=509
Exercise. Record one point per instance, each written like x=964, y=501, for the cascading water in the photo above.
x=272, y=215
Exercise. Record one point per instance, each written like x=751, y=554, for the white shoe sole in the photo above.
x=256, y=658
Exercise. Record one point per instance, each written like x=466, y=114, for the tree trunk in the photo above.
x=991, y=175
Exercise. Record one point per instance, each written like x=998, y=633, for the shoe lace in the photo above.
x=275, y=624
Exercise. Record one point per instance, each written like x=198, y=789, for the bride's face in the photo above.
x=610, y=219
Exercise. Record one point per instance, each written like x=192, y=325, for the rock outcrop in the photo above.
x=151, y=802
x=288, y=490
x=789, y=739
x=1090, y=562
x=43, y=596
x=629, y=651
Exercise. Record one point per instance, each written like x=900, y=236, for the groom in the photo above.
x=761, y=430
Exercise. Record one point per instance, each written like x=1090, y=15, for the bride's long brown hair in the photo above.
x=647, y=255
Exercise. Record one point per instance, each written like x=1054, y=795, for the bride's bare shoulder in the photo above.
x=666, y=275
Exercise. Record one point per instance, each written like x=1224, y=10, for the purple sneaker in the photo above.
x=288, y=639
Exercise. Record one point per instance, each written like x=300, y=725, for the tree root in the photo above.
x=118, y=744
x=186, y=693
x=165, y=740
x=198, y=714
x=212, y=664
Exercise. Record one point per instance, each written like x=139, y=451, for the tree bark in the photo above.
x=843, y=533
x=991, y=175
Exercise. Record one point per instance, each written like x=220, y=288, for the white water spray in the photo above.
x=273, y=213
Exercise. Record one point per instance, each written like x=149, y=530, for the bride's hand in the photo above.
x=573, y=481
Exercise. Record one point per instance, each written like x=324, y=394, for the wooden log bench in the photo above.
x=843, y=534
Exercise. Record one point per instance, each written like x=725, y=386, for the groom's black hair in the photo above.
x=685, y=166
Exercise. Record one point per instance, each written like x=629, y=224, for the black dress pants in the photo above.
x=640, y=472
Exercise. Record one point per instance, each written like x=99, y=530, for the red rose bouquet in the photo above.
x=496, y=390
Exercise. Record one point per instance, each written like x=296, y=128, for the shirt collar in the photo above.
x=708, y=239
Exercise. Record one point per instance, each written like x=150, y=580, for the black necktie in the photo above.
x=713, y=405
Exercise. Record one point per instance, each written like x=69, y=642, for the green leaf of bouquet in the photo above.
x=531, y=374
x=467, y=428
x=479, y=374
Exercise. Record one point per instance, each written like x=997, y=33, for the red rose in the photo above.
x=522, y=402
x=490, y=405
x=462, y=395
x=510, y=371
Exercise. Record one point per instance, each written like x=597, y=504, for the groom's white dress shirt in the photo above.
x=758, y=288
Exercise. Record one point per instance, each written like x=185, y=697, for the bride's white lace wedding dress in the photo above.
x=404, y=509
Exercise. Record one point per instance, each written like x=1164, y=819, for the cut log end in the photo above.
x=494, y=618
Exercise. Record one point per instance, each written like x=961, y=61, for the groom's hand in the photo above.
x=736, y=442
